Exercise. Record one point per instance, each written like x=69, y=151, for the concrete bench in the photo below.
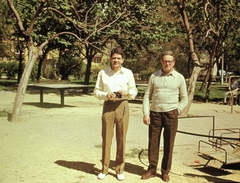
x=61, y=87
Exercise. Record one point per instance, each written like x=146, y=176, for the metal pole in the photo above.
x=222, y=66
x=222, y=61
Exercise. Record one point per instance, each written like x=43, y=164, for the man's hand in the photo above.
x=146, y=119
x=123, y=92
x=111, y=96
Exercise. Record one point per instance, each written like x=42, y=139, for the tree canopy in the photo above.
x=87, y=27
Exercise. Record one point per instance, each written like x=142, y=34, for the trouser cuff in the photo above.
x=165, y=171
x=152, y=169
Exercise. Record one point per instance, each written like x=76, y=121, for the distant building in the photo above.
x=98, y=58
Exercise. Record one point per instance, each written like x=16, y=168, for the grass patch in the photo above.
x=216, y=92
x=8, y=85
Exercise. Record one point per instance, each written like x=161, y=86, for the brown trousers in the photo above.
x=115, y=113
x=169, y=122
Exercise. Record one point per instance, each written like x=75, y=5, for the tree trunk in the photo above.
x=90, y=53
x=39, y=72
x=16, y=111
x=20, y=65
x=191, y=85
x=87, y=73
x=196, y=69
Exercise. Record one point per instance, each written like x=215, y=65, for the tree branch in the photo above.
x=39, y=10
x=19, y=21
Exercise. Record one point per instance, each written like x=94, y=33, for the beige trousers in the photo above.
x=115, y=114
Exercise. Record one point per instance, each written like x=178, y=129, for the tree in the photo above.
x=34, y=53
x=216, y=28
x=208, y=22
x=197, y=66
x=135, y=27
x=89, y=23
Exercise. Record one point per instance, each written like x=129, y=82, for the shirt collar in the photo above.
x=110, y=71
x=172, y=73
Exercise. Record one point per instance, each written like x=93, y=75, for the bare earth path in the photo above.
x=53, y=144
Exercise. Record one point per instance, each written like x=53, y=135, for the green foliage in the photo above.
x=137, y=27
x=216, y=94
x=34, y=72
x=218, y=23
x=95, y=70
x=3, y=65
x=143, y=29
x=11, y=69
x=69, y=58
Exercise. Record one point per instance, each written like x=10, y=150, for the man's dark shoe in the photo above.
x=165, y=177
x=148, y=175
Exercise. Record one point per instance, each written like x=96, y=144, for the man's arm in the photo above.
x=183, y=102
x=147, y=97
x=132, y=89
x=98, y=90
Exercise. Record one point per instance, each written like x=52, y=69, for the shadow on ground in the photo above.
x=213, y=173
x=46, y=105
x=210, y=178
x=90, y=169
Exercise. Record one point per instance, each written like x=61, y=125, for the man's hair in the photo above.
x=168, y=53
x=117, y=50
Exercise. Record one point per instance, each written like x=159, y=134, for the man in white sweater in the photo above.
x=164, y=99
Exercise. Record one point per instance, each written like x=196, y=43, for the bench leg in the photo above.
x=62, y=96
x=41, y=95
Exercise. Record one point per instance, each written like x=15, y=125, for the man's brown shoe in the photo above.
x=165, y=177
x=148, y=175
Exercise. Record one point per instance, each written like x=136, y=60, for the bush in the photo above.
x=2, y=68
x=10, y=68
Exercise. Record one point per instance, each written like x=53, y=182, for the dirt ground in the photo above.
x=54, y=144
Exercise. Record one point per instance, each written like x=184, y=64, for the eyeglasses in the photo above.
x=167, y=61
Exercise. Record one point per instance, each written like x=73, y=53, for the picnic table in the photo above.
x=61, y=87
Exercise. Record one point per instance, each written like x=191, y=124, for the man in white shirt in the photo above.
x=115, y=85
x=167, y=94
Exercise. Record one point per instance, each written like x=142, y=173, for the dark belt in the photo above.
x=116, y=101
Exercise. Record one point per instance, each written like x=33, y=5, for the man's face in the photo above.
x=167, y=63
x=116, y=61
